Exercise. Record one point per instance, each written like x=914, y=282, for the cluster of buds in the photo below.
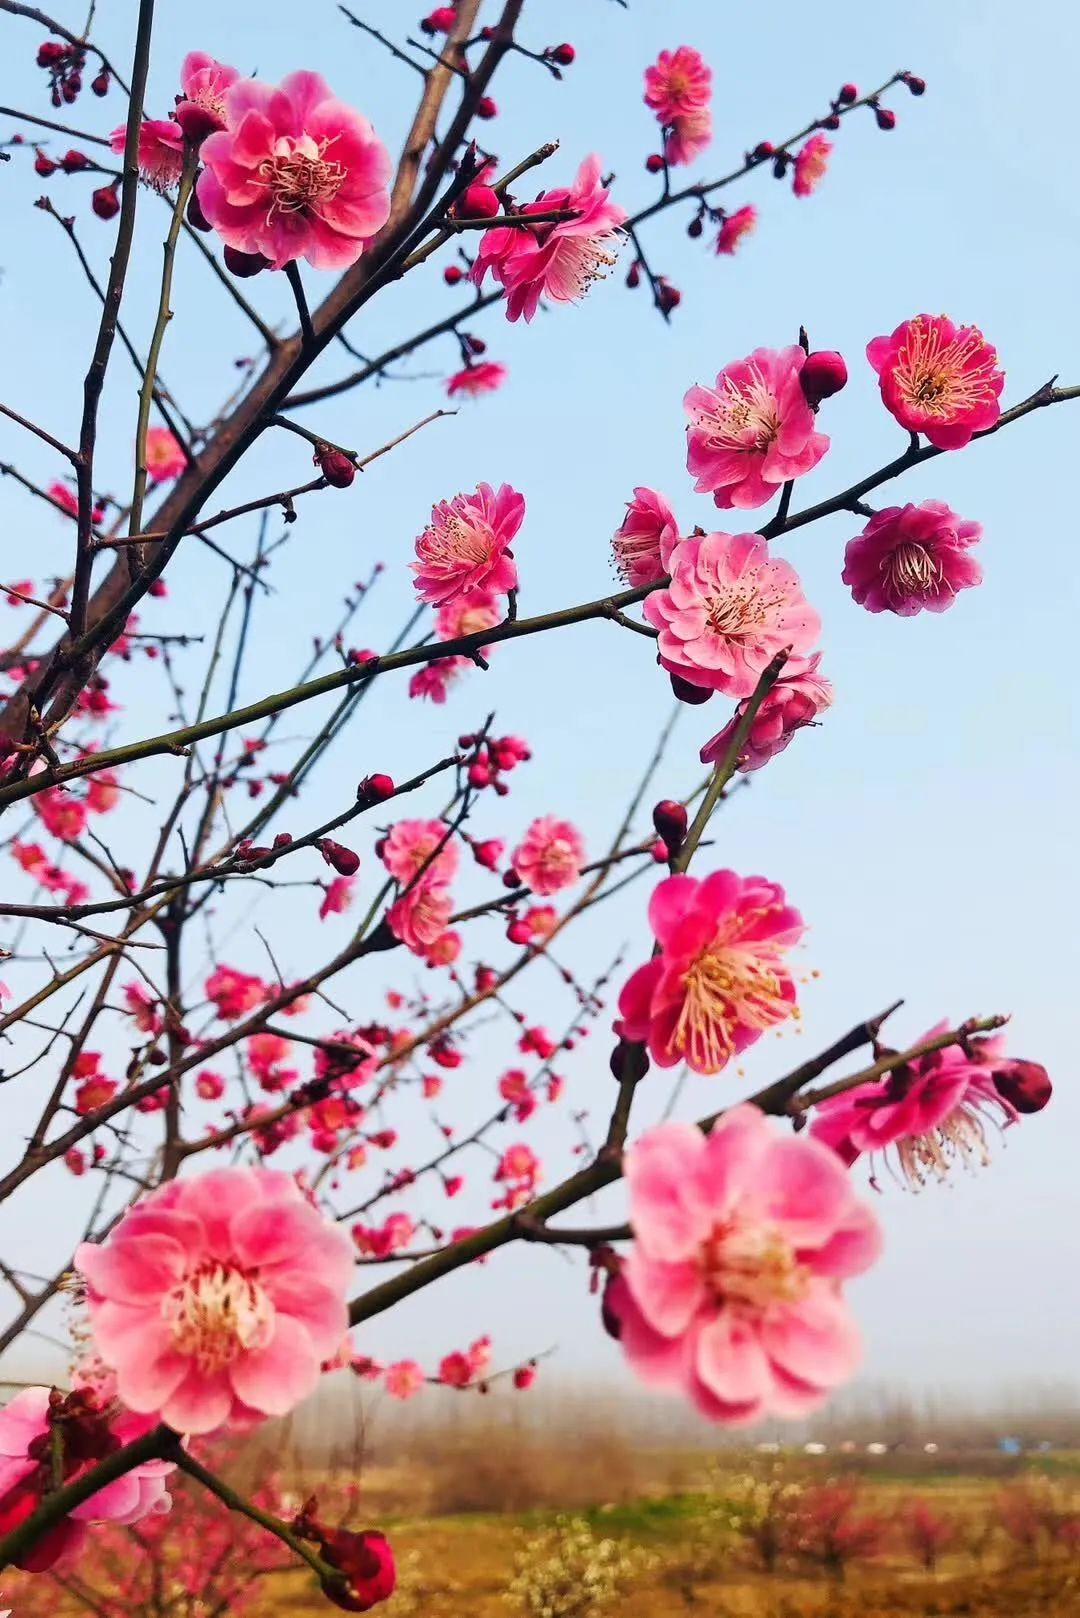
x=64, y=64
x=493, y=758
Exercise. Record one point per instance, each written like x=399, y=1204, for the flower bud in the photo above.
x=1024, y=1085
x=478, y=202
x=524, y=1377
x=685, y=692
x=670, y=819
x=486, y=107
x=846, y=94
x=195, y=216
x=628, y=1062
x=105, y=202
x=335, y=465
x=439, y=21
x=831, y=122
x=562, y=54
x=667, y=296
x=654, y=163
x=762, y=150
x=633, y=275
x=341, y=859
x=244, y=264
x=365, y=1563
x=452, y=274
x=823, y=374
x=44, y=165
x=695, y=227
x=658, y=853
x=375, y=789
x=100, y=84
x=74, y=162
x=886, y=118
x=916, y=85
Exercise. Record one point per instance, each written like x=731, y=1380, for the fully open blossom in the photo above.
x=558, y=260
x=519, y=1170
x=466, y=545
x=468, y=614
x=60, y=813
x=732, y=1290
x=160, y=151
x=927, y=1115
x=26, y=1472
x=678, y=82
x=550, y=855
x=753, y=431
x=474, y=380
x=734, y=227
x=61, y=494
x=795, y=700
x=811, y=161
x=233, y=992
x=719, y=980
x=729, y=609
x=215, y=1300
x=419, y=917
x=294, y=174
x=690, y=135
x=164, y=457
x=205, y=84
x=939, y=379
x=404, y=1379
x=643, y=542
x=415, y=846
x=908, y=558
x=445, y=950
x=433, y=680
x=337, y=897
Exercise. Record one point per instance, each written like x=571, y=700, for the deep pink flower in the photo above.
x=142, y=1008
x=796, y=699
x=912, y=557
x=234, y=993
x=205, y=84
x=929, y=1114
x=719, y=980
x=731, y=1292
x=474, y=380
x=216, y=1299
x=160, y=151
x=645, y=539
x=678, y=82
x=403, y=1379
x=753, y=431
x=164, y=457
x=295, y=174
x=690, y=135
x=729, y=609
x=455, y=1370
x=337, y=897
x=60, y=813
x=560, y=260
x=465, y=547
x=734, y=227
x=550, y=855
x=810, y=165
x=419, y=917
x=939, y=379
x=209, y=1086
x=433, y=680
x=409, y=848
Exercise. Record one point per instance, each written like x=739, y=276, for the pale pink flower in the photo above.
x=466, y=546
x=732, y=1290
x=160, y=151
x=753, y=431
x=205, y=84
x=690, y=135
x=678, y=82
x=404, y=1379
x=26, y=1477
x=468, y=614
x=233, y=992
x=295, y=174
x=908, y=558
x=795, y=700
x=558, y=261
x=729, y=609
x=735, y=227
x=811, y=161
x=337, y=897
x=164, y=457
x=420, y=916
x=719, y=980
x=643, y=543
x=409, y=848
x=550, y=855
x=939, y=379
x=474, y=380
x=445, y=950
x=215, y=1300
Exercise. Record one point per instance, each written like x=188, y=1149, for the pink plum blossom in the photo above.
x=690, y=135
x=735, y=227
x=729, y=609
x=205, y=84
x=795, y=700
x=719, y=980
x=678, y=82
x=732, y=1290
x=215, y=1300
x=643, y=542
x=474, y=380
x=433, y=680
x=467, y=614
x=558, y=260
x=337, y=897
x=908, y=558
x=160, y=151
x=939, y=379
x=294, y=174
x=753, y=431
x=404, y=1379
x=234, y=993
x=550, y=855
x=419, y=917
x=164, y=457
x=811, y=161
x=413, y=847
x=466, y=546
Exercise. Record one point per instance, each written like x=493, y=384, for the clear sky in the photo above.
x=923, y=829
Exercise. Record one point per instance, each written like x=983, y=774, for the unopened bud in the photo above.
x=1024, y=1085
x=685, y=692
x=823, y=374
x=762, y=150
x=629, y=1062
x=670, y=819
x=916, y=85
x=478, y=202
x=695, y=227
x=486, y=108
x=341, y=859
x=846, y=94
x=831, y=122
x=654, y=162
x=100, y=84
x=562, y=54
x=195, y=216
x=452, y=274
x=633, y=275
x=74, y=162
x=374, y=789
x=105, y=202
x=44, y=165
x=886, y=118
x=335, y=465
x=245, y=264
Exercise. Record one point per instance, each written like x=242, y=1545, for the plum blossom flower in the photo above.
x=160, y=151
x=61, y=494
x=939, y=379
x=690, y=135
x=908, y=558
x=796, y=699
x=678, y=82
x=811, y=161
x=753, y=431
x=433, y=680
x=404, y=1379
x=215, y=1300
x=929, y=1114
x=729, y=609
x=550, y=855
x=294, y=174
x=558, y=260
x=337, y=897
x=60, y=813
x=420, y=916
x=732, y=1290
x=465, y=547
x=735, y=227
x=643, y=542
x=718, y=981
x=205, y=84
x=415, y=846
x=519, y=1170
x=468, y=614
x=164, y=457
x=233, y=992
x=474, y=380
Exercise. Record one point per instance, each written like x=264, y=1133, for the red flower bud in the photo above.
x=1024, y=1085
x=44, y=165
x=100, y=84
x=475, y=345
x=105, y=203
x=667, y=296
x=244, y=264
x=374, y=789
x=916, y=85
x=633, y=274
x=695, y=227
x=335, y=466
x=608, y=1315
x=195, y=216
x=831, y=122
x=886, y=118
x=486, y=978
x=441, y=20
x=452, y=274
x=524, y=1377
x=823, y=374
x=50, y=52
x=670, y=820
x=762, y=150
x=486, y=108
x=343, y=860
x=685, y=692
x=562, y=54
x=74, y=162
x=846, y=94
x=654, y=162
x=478, y=202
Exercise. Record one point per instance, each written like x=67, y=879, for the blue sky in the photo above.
x=924, y=828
